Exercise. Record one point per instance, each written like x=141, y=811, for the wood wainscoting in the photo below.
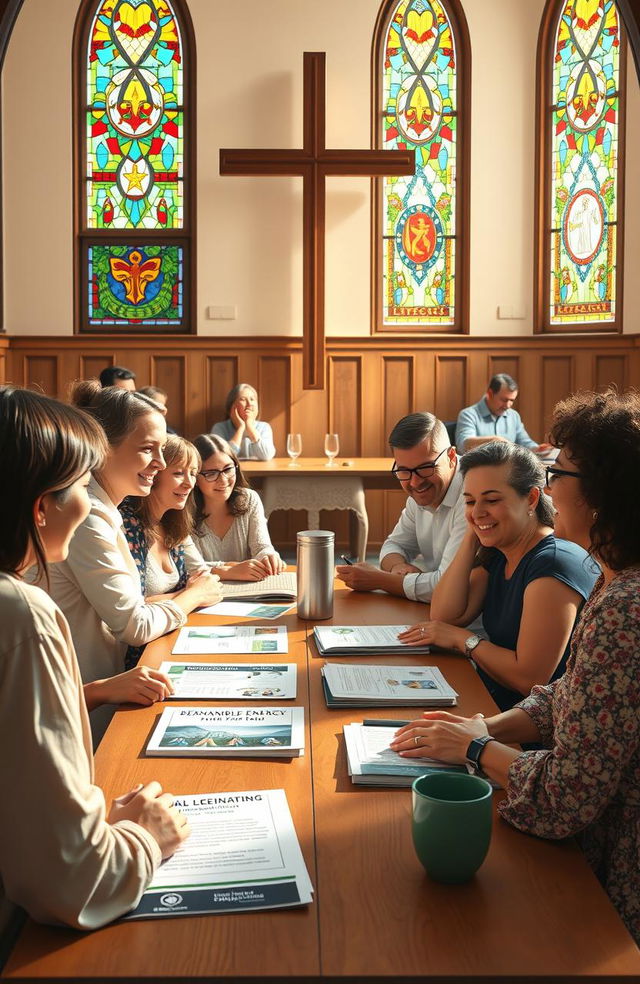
x=371, y=383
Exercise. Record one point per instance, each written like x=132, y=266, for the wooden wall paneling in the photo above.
x=610, y=370
x=92, y=365
x=345, y=403
x=398, y=395
x=168, y=372
x=222, y=375
x=557, y=383
x=424, y=386
x=3, y=360
x=273, y=383
x=40, y=372
x=450, y=386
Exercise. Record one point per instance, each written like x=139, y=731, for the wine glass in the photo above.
x=294, y=448
x=331, y=448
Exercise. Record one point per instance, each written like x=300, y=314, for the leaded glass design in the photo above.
x=136, y=285
x=419, y=112
x=134, y=113
x=583, y=204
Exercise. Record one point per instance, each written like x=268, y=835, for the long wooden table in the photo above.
x=374, y=472
x=534, y=910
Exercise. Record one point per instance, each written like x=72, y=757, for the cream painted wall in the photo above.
x=249, y=230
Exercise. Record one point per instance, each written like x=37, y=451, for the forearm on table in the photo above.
x=512, y=726
x=496, y=760
x=390, y=560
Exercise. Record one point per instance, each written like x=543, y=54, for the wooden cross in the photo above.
x=314, y=163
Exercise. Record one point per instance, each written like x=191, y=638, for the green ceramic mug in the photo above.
x=452, y=815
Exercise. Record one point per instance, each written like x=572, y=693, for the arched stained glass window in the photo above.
x=134, y=60
x=421, y=64
x=581, y=73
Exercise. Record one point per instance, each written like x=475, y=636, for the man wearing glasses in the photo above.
x=432, y=524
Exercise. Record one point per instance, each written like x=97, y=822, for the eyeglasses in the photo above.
x=422, y=471
x=213, y=474
x=552, y=473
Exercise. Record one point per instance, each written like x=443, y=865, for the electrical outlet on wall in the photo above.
x=222, y=312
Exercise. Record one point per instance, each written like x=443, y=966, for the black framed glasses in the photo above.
x=213, y=474
x=422, y=471
x=552, y=472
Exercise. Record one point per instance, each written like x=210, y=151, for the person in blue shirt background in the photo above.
x=493, y=418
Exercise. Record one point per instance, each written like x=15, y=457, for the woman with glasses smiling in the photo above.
x=230, y=525
x=586, y=779
x=528, y=584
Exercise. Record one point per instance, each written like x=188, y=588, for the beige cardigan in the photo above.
x=59, y=858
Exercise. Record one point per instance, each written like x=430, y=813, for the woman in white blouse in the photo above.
x=63, y=856
x=98, y=586
x=230, y=524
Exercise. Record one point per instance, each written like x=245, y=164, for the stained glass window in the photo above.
x=583, y=153
x=133, y=174
x=419, y=217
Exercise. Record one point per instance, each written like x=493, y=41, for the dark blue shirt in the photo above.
x=502, y=613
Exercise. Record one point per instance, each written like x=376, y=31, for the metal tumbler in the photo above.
x=315, y=573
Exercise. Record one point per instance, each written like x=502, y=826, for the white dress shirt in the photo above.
x=435, y=534
x=59, y=858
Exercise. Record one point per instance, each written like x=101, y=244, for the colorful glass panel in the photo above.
x=584, y=153
x=419, y=112
x=138, y=285
x=135, y=119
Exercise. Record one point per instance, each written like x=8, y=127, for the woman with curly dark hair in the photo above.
x=586, y=779
x=230, y=524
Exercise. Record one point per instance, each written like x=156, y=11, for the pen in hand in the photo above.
x=346, y=560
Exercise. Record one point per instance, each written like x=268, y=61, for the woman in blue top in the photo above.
x=528, y=584
x=248, y=436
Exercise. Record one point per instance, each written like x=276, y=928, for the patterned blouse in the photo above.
x=139, y=549
x=587, y=779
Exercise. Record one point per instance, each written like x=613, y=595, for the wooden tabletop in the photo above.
x=361, y=467
x=534, y=909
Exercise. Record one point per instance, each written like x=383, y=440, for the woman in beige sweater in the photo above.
x=63, y=856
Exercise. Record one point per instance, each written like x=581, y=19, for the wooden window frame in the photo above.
x=83, y=235
x=460, y=30
x=543, y=150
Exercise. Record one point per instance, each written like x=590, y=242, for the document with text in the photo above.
x=231, y=681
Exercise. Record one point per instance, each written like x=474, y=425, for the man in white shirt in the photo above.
x=428, y=533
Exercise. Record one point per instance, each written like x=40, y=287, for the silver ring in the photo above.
x=422, y=631
x=415, y=738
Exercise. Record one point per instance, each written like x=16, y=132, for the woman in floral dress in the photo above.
x=586, y=779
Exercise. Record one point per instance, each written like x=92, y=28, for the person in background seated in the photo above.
x=248, y=436
x=64, y=857
x=529, y=584
x=159, y=396
x=586, y=780
x=158, y=529
x=98, y=585
x=426, y=537
x=230, y=525
x=493, y=419
x=119, y=377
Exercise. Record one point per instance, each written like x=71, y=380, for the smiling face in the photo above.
x=172, y=487
x=220, y=489
x=500, y=401
x=498, y=514
x=574, y=517
x=133, y=464
x=427, y=491
x=62, y=513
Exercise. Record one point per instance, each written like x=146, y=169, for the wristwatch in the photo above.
x=475, y=750
x=470, y=644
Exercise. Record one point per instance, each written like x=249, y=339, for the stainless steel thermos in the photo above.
x=315, y=573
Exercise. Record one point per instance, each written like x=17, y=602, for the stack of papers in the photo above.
x=367, y=685
x=231, y=681
x=243, y=853
x=229, y=732
x=369, y=640
x=372, y=763
x=223, y=639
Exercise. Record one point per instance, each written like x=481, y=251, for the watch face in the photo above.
x=471, y=643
